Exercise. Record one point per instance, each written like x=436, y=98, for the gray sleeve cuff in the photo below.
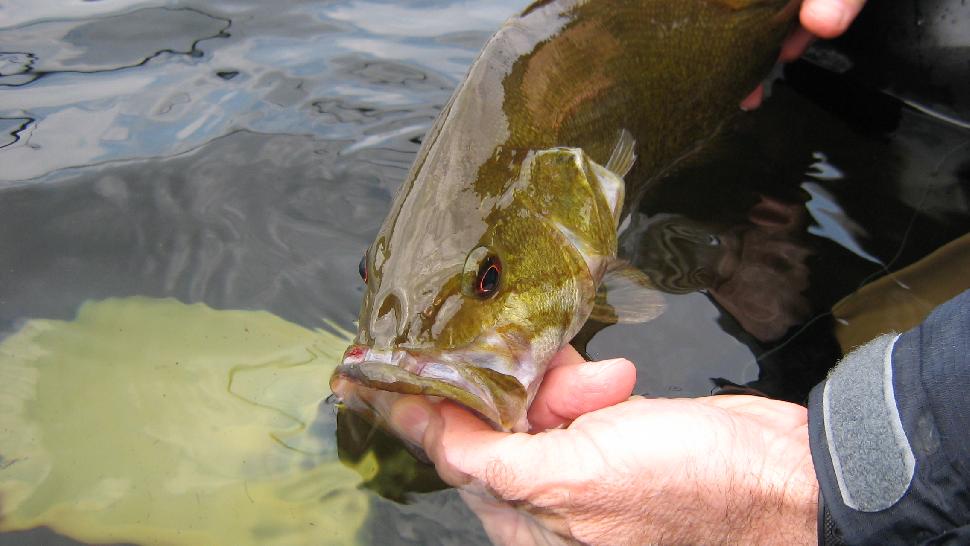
x=871, y=458
x=888, y=434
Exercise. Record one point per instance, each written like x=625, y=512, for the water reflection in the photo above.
x=15, y=68
x=757, y=271
x=13, y=129
x=175, y=64
x=60, y=46
x=279, y=238
x=792, y=230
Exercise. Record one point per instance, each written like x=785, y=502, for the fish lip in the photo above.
x=498, y=398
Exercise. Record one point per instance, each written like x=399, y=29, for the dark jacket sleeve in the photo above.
x=890, y=435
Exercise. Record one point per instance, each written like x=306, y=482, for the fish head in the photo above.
x=469, y=295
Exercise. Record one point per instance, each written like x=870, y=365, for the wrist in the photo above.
x=788, y=493
x=755, y=483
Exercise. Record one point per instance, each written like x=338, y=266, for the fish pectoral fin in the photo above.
x=610, y=176
x=624, y=154
x=626, y=295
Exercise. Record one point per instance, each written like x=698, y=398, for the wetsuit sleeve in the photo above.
x=890, y=436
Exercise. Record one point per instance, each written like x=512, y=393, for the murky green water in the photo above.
x=206, y=174
x=156, y=421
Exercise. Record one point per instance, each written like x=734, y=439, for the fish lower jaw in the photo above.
x=491, y=395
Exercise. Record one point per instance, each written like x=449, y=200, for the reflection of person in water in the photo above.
x=756, y=271
x=883, y=440
x=766, y=278
x=756, y=267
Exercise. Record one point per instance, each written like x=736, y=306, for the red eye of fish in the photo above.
x=362, y=267
x=488, y=277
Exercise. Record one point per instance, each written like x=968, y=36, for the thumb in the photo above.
x=577, y=388
x=465, y=449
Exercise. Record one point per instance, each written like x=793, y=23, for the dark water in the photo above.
x=243, y=154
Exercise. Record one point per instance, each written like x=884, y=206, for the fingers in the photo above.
x=829, y=18
x=465, y=450
x=577, y=387
x=409, y=417
x=795, y=44
x=819, y=18
x=462, y=447
x=446, y=432
x=753, y=100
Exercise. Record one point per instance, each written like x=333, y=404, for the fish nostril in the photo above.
x=355, y=353
x=391, y=318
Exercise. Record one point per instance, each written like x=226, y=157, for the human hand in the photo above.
x=720, y=469
x=818, y=18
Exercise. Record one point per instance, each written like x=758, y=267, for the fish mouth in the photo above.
x=498, y=398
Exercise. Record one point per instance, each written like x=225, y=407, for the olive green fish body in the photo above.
x=494, y=248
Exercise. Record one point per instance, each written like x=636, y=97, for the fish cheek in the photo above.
x=455, y=323
x=540, y=282
x=462, y=322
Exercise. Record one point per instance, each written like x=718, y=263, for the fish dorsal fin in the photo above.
x=624, y=154
x=626, y=295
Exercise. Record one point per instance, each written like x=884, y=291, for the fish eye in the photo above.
x=488, y=277
x=362, y=267
x=482, y=274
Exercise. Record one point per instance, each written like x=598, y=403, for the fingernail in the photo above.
x=753, y=100
x=595, y=367
x=410, y=418
x=597, y=375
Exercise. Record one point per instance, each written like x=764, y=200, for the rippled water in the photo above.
x=242, y=154
x=236, y=153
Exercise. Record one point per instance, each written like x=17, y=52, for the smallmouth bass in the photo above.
x=502, y=241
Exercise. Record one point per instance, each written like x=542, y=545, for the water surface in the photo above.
x=224, y=163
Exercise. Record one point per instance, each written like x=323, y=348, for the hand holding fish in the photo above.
x=731, y=469
x=819, y=19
